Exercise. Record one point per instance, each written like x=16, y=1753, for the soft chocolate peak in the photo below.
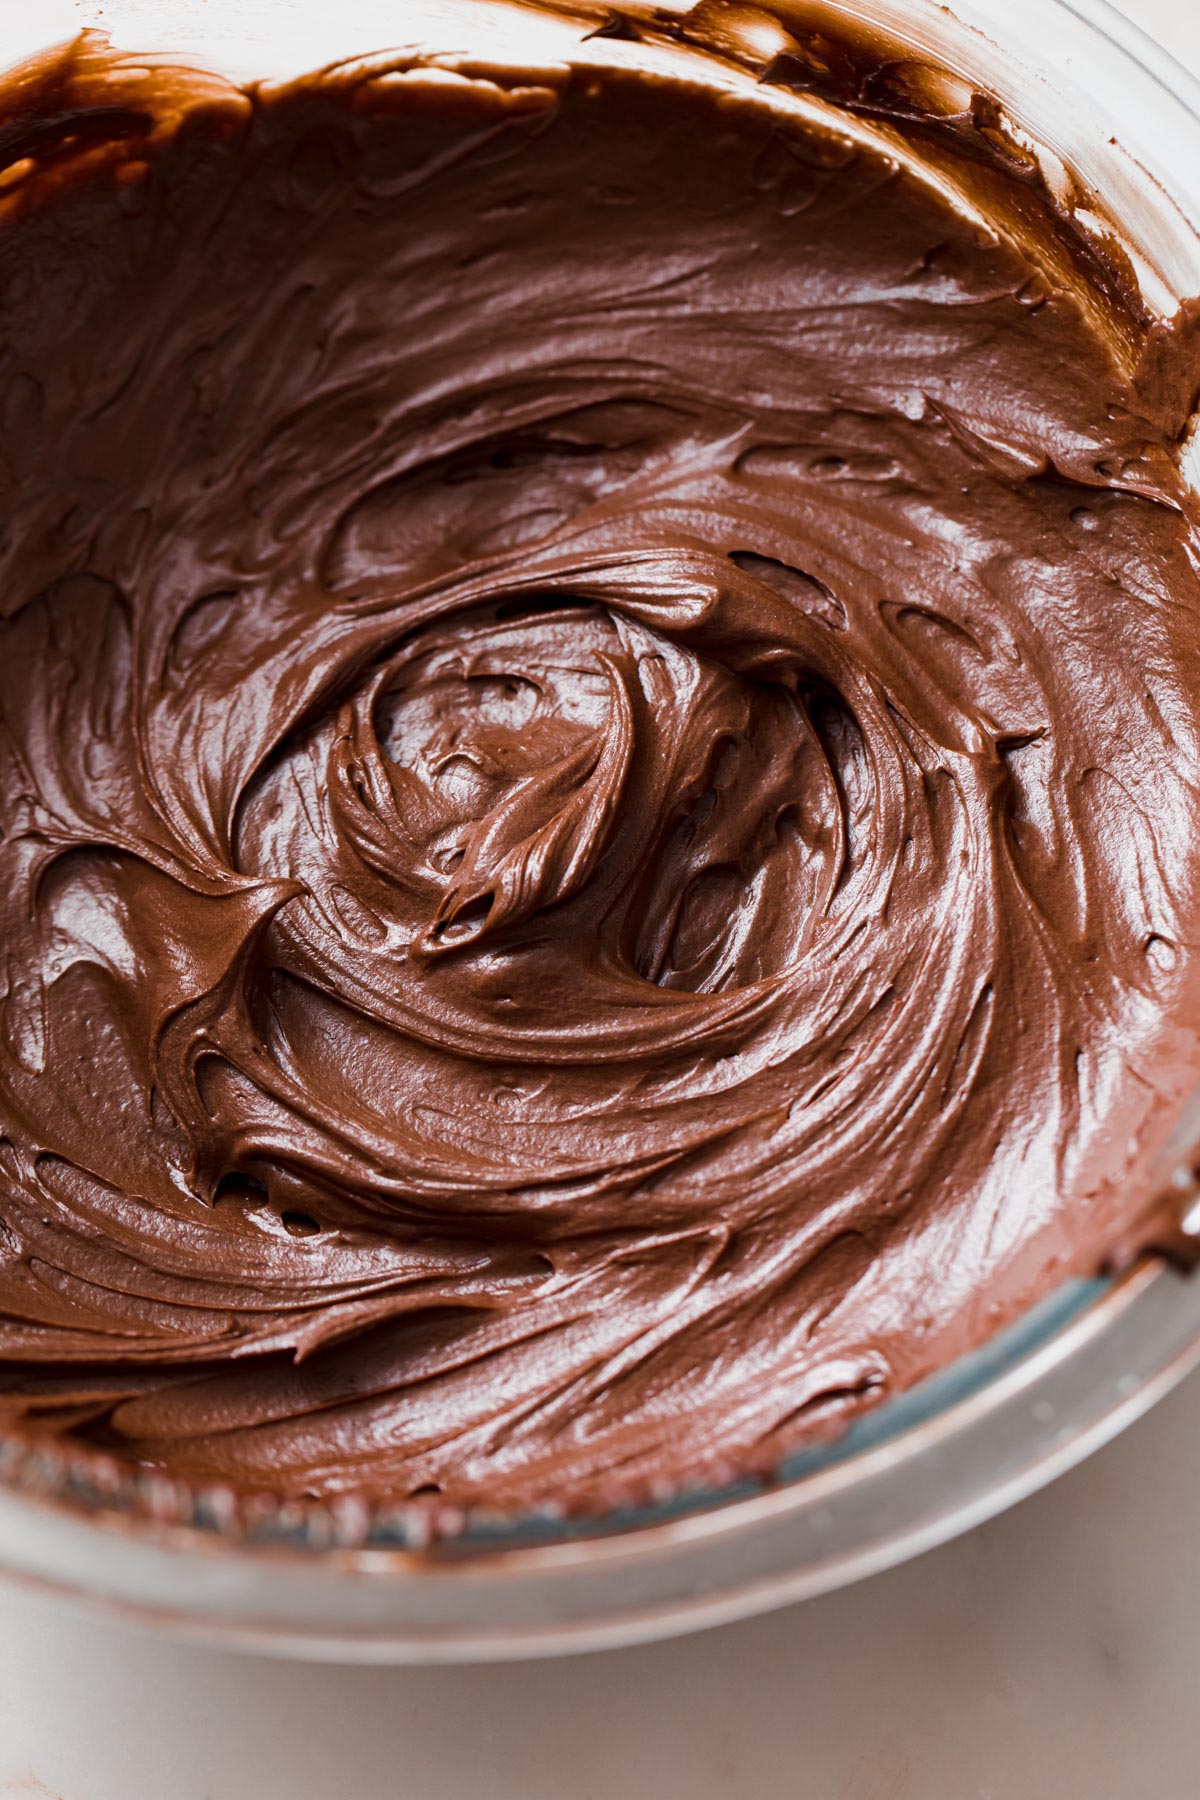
x=599, y=773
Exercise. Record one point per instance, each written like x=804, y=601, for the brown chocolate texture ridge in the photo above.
x=599, y=773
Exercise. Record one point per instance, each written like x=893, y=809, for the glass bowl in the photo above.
x=373, y=1583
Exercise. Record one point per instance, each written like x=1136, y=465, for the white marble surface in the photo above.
x=1051, y=1655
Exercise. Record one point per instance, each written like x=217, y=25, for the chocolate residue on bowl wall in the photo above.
x=598, y=759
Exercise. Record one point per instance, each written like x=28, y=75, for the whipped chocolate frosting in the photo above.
x=599, y=768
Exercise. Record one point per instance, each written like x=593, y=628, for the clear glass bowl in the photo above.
x=341, y=1579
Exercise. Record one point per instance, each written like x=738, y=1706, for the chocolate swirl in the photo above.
x=599, y=768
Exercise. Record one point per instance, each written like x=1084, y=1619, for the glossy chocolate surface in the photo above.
x=598, y=764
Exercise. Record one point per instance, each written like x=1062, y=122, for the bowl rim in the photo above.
x=279, y=1588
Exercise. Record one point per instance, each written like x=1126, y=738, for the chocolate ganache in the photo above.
x=599, y=769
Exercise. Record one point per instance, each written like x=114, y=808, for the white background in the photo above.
x=1051, y=1655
